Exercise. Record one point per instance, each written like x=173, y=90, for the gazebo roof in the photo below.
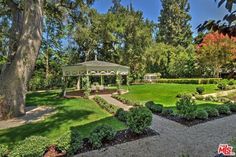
x=95, y=68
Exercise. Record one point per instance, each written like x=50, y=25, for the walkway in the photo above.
x=221, y=93
x=175, y=140
x=33, y=114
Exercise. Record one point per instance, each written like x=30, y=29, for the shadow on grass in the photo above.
x=52, y=124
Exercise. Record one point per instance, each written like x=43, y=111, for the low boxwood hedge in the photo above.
x=121, y=114
x=201, y=114
x=224, y=109
x=105, y=105
x=126, y=101
x=212, y=112
x=191, y=80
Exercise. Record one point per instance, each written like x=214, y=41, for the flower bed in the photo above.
x=105, y=105
x=126, y=101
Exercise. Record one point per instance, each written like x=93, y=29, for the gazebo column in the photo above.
x=102, y=80
x=64, y=86
x=78, y=83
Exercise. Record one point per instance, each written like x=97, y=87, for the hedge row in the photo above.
x=126, y=101
x=105, y=105
x=191, y=80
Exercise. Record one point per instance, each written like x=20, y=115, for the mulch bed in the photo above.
x=121, y=137
x=192, y=122
x=80, y=93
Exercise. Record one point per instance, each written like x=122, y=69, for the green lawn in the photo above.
x=164, y=93
x=72, y=113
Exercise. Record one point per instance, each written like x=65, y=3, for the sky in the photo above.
x=201, y=10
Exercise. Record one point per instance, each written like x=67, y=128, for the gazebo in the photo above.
x=94, y=68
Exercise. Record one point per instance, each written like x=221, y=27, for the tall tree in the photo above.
x=174, y=27
x=25, y=38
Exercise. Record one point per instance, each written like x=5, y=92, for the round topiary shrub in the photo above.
x=224, y=109
x=201, y=114
x=100, y=134
x=69, y=142
x=155, y=108
x=121, y=114
x=34, y=146
x=139, y=119
x=200, y=90
x=212, y=112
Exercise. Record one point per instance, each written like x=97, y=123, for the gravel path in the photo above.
x=221, y=93
x=175, y=140
x=33, y=114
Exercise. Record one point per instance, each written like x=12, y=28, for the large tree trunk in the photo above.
x=14, y=79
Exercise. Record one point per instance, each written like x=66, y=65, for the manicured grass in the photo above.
x=164, y=93
x=71, y=113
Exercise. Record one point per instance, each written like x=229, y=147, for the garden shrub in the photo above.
x=222, y=85
x=186, y=107
x=34, y=146
x=139, y=119
x=201, y=114
x=232, y=107
x=3, y=150
x=121, y=114
x=211, y=98
x=212, y=112
x=105, y=105
x=224, y=109
x=69, y=142
x=167, y=112
x=100, y=134
x=155, y=108
x=200, y=90
x=231, y=82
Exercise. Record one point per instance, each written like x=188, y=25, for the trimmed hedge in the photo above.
x=155, y=108
x=34, y=146
x=126, y=101
x=100, y=134
x=191, y=80
x=105, y=105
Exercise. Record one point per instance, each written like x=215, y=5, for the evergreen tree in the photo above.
x=173, y=26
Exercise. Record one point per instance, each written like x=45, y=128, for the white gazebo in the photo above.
x=94, y=68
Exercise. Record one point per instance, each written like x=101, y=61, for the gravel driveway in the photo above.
x=175, y=140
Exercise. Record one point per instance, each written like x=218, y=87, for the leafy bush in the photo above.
x=105, y=105
x=212, y=112
x=69, y=142
x=3, y=150
x=34, y=146
x=231, y=82
x=222, y=85
x=167, y=112
x=201, y=114
x=121, y=114
x=100, y=134
x=139, y=119
x=224, y=109
x=155, y=108
x=232, y=107
x=200, y=90
x=186, y=107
